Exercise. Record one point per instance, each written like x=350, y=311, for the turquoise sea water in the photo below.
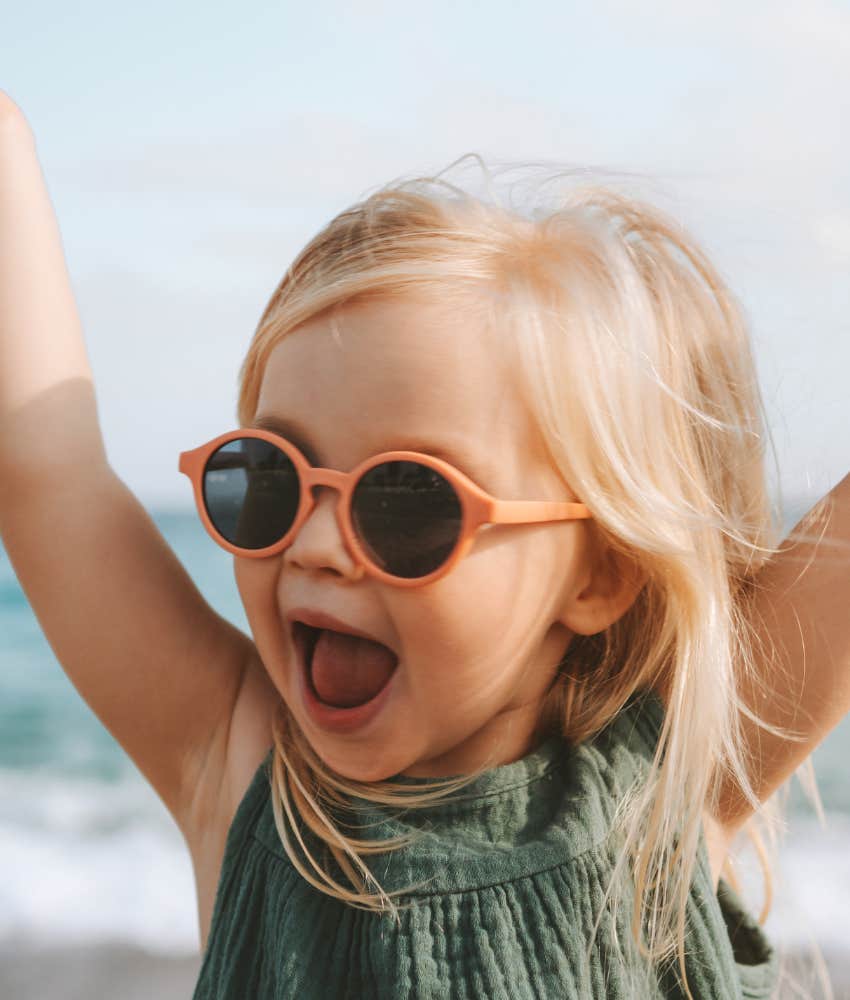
x=88, y=851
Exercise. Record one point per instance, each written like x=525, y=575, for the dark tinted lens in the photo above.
x=407, y=517
x=251, y=492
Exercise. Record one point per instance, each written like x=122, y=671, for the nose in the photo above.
x=320, y=542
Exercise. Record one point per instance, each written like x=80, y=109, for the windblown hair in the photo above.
x=636, y=363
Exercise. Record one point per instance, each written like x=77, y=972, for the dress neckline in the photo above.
x=494, y=780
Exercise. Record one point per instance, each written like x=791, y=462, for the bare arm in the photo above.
x=157, y=665
x=802, y=607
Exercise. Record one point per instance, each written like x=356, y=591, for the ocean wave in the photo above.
x=93, y=862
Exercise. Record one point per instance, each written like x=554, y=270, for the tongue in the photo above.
x=348, y=670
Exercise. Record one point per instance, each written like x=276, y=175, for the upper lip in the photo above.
x=320, y=619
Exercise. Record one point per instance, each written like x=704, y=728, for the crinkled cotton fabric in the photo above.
x=509, y=882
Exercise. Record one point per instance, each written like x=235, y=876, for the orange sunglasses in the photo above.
x=408, y=518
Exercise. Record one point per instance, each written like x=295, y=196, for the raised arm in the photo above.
x=156, y=664
x=802, y=607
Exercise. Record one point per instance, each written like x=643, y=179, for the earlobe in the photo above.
x=615, y=582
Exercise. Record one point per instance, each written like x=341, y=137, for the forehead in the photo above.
x=395, y=367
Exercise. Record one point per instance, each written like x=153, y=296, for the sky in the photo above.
x=192, y=149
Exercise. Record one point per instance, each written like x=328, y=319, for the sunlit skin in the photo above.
x=478, y=648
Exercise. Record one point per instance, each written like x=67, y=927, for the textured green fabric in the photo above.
x=515, y=875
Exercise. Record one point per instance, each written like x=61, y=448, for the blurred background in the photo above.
x=191, y=150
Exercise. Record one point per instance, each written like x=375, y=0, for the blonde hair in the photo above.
x=635, y=361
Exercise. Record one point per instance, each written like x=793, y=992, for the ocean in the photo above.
x=89, y=855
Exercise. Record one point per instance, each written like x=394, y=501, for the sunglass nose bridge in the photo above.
x=324, y=477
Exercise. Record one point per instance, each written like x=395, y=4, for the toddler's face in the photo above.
x=479, y=647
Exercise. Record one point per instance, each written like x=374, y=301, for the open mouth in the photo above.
x=343, y=671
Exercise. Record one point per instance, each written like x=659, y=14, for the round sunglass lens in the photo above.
x=407, y=517
x=251, y=492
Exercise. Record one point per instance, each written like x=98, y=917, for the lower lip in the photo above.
x=339, y=720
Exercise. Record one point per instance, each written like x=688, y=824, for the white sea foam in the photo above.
x=811, y=887
x=87, y=862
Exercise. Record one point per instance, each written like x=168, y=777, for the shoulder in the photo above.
x=240, y=747
x=250, y=737
x=247, y=745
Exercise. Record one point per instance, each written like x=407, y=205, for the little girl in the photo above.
x=497, y=504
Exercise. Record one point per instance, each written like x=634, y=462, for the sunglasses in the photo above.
x=408, y=518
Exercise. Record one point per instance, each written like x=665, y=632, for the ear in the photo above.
x=611, y=583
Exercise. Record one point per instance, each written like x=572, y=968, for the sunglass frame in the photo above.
x=477, y=506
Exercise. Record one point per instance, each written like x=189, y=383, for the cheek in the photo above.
x=473, y=598
x=486, y=618
x=257, y=580
x=501, y=584
x=251, y=580
x=463, y=632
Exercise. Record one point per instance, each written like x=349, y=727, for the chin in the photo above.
x=367, y=770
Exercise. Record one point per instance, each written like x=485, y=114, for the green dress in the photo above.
x=515, y=874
